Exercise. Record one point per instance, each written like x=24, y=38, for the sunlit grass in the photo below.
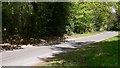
x=75, y=35
x=103, y=53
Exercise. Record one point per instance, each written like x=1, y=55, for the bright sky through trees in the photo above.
x=113, y=9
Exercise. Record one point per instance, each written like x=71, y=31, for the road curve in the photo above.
x=31, y=55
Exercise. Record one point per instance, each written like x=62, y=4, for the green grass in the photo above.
x=85, y=34
x=104, y=53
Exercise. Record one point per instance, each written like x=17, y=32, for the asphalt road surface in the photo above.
x=31, y=55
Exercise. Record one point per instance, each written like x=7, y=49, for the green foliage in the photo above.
x=56, y=24
x=117, y=22
x=33, y=20
x=89, y=17
x=25, y=20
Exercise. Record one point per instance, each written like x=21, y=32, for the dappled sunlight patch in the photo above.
x=55, y=63
x=102, y=54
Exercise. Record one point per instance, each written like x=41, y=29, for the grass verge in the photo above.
x=104, y=53
x=75, y=35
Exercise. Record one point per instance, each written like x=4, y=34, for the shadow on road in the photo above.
x=98, y=54
x=71, y=46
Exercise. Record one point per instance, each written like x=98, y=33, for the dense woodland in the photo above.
x=23, y=22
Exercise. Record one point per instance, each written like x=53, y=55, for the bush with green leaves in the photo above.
x=47, y=19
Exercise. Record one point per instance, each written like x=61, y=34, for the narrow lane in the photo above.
x=31, y=55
